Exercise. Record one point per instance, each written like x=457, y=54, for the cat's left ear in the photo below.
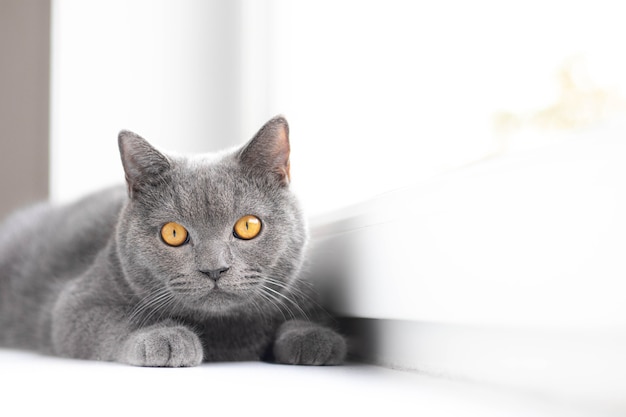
x=268, y=152
x=145, y=167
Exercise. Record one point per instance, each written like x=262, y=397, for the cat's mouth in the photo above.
x=208, y=290
x=208, y=294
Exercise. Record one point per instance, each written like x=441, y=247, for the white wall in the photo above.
x=384, y=94
x=379, y=95
x=173, y=71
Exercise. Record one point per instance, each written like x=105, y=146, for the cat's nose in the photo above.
x=215, y=274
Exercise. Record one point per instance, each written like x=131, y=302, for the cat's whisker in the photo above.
x=157, y=308
x=176, y=305
x=279, y=300
x=139, y=308
x=309, y=297
x=144, y=310
x=284, y=300
x=262, y=313
x=272, y=302
x=285, y=297
x=165, y=308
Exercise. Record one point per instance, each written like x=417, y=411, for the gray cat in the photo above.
x=198, y=260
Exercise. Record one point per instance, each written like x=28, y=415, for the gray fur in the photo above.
x=94, y=280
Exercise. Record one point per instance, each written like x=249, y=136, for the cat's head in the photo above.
x=212, y=233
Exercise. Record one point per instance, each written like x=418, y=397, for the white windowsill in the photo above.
x=508, y=272
x=532, y=239
x=36, y=385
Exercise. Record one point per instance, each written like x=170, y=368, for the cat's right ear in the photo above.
x=145, y=167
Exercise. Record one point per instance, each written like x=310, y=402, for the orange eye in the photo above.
x=174, y=234
x=248, y=227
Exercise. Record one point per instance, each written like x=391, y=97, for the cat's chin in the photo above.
x=217, y=301
x=200, y=295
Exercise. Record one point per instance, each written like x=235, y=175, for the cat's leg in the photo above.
x=166, y=344
x=301, y=342
x=85, y=328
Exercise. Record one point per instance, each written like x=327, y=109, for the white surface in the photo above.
x=510, y=271
x=534, y=239
x=587, y=368
x=34, y=385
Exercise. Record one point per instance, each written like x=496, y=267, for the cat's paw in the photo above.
x=163, y=347
x=304, y=343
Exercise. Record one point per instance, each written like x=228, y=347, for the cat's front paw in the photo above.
x=304, y=343
x=163, y=347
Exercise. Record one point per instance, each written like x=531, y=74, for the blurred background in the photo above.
x=379, y=94
x=471, y=154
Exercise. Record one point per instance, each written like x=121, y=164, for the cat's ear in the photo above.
x=145, y=167
x=268, y=152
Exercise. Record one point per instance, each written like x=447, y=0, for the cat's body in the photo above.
x=172, y=272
